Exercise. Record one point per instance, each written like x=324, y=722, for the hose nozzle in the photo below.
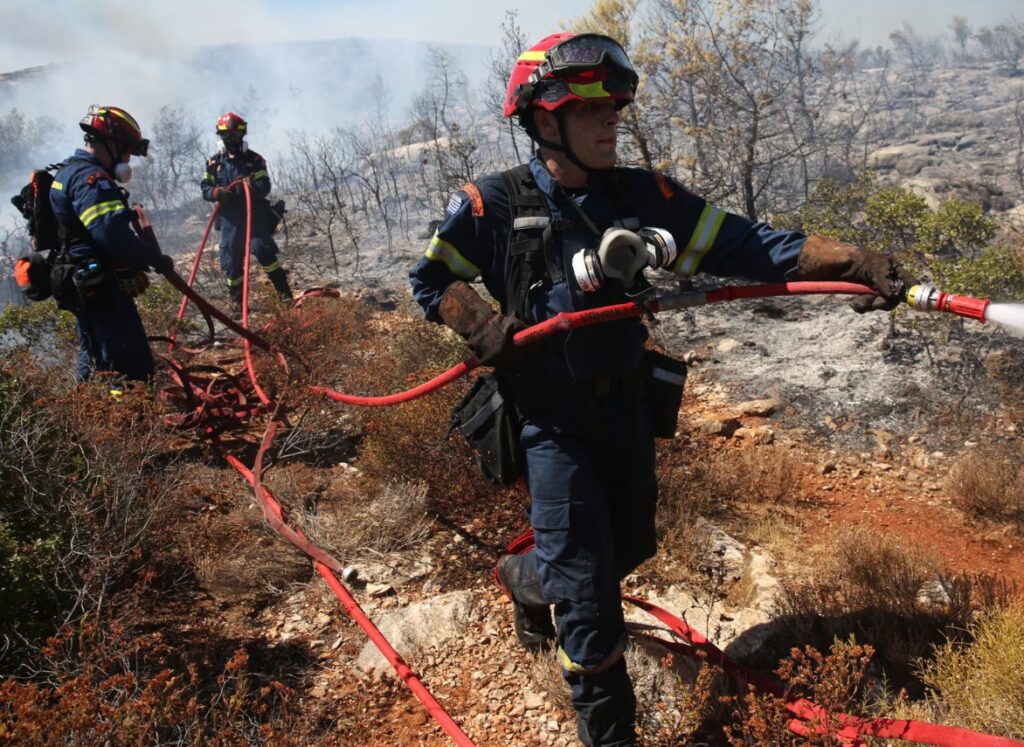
x=930, y=298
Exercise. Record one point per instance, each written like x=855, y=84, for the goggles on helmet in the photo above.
x=585, y=52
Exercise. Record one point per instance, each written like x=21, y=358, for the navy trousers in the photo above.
x=232, y=246
x=590, y=470
x=111, y=338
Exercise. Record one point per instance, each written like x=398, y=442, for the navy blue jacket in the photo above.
x=223, y=168
x=86, y=199
x=472, y=243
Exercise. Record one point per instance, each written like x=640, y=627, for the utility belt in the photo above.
x=88, y=283
x=490, y=416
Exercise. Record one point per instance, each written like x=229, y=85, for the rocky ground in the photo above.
x=875, y=407
x=847, y=396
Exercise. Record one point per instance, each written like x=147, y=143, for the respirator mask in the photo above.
x=622, y=256
x=122, y=172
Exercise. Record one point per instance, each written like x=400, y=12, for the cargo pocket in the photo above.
x=490, y=425
x=666, y=378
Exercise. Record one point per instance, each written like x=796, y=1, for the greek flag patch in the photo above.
x=453, y=204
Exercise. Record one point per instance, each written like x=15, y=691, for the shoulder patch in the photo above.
x=96, y=176
x=476, y=199
x=664, y=187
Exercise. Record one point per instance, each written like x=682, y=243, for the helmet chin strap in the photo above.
x=564, y=146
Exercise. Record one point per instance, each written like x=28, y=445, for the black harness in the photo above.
x=532, y=256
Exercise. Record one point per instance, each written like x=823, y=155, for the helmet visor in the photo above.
x=140, y=147
x=587, y=51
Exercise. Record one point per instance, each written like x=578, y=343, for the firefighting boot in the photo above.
x=279, y=279
x=235, y=292
x=531, y=612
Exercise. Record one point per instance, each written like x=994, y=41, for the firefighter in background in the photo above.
x=571, y=231
x=222, y=183
x=103, y=262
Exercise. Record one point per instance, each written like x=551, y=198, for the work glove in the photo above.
x=488, y=334
x=163, y=264
x=826, y=259
x=222, y=195
x=132, y=282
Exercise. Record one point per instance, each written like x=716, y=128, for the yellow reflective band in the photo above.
x=207, y=177
x=701, y=241
x=100, y=209
x=58, y=186
x=260, y=174
x=117, y=393
x=234, y=281
x=124, y=116
x=589, y=90
x=271, y=267
x=572, y=667
x=532, y=55
x=441, y=251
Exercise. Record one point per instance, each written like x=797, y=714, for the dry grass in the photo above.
x=988, y=483
x=980, y=684
x=892, y=597
x=723, y=486
x=386, y=518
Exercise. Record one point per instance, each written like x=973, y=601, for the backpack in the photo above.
x=32, y=271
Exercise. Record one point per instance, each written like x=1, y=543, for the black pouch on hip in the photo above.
x=666, y=379
x=490, y=424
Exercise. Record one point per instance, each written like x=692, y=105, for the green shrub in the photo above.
x=980, y=684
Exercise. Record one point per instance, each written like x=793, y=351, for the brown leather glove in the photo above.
x=488, y=333
x=132, y=282
x=826, y=259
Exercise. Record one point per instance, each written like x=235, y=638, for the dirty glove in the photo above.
x=222, y=194
x=488, y=333
x=163, y=264
x=132, y=282
x=826, y=259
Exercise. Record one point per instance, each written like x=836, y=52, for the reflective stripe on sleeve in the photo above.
x=441, y=251
x=102, y=208
x=57, y=186
x=261, y=174
x=703, y=238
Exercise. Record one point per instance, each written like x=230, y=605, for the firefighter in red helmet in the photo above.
x=572, y=230
x=101, y=268
x=222, y=183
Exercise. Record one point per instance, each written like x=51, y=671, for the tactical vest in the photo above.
x=531, y=255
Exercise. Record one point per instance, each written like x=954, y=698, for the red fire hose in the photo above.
x=808, y=717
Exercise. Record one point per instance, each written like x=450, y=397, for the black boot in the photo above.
x=235, y=293
x=279, y=279
x=531, y=611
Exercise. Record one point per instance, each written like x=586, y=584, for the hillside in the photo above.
x=837, y=480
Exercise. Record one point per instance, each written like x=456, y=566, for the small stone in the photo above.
x=380, y=590
x=728, y=345
x=533, y=701
x=827, y=468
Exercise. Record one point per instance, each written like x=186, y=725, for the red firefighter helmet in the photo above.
x=231, y=124
x=114, y=124
x=570, y=67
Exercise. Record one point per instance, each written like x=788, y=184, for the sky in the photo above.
x=33, y=32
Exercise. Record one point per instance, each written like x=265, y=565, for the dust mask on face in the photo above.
x=123, y=172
